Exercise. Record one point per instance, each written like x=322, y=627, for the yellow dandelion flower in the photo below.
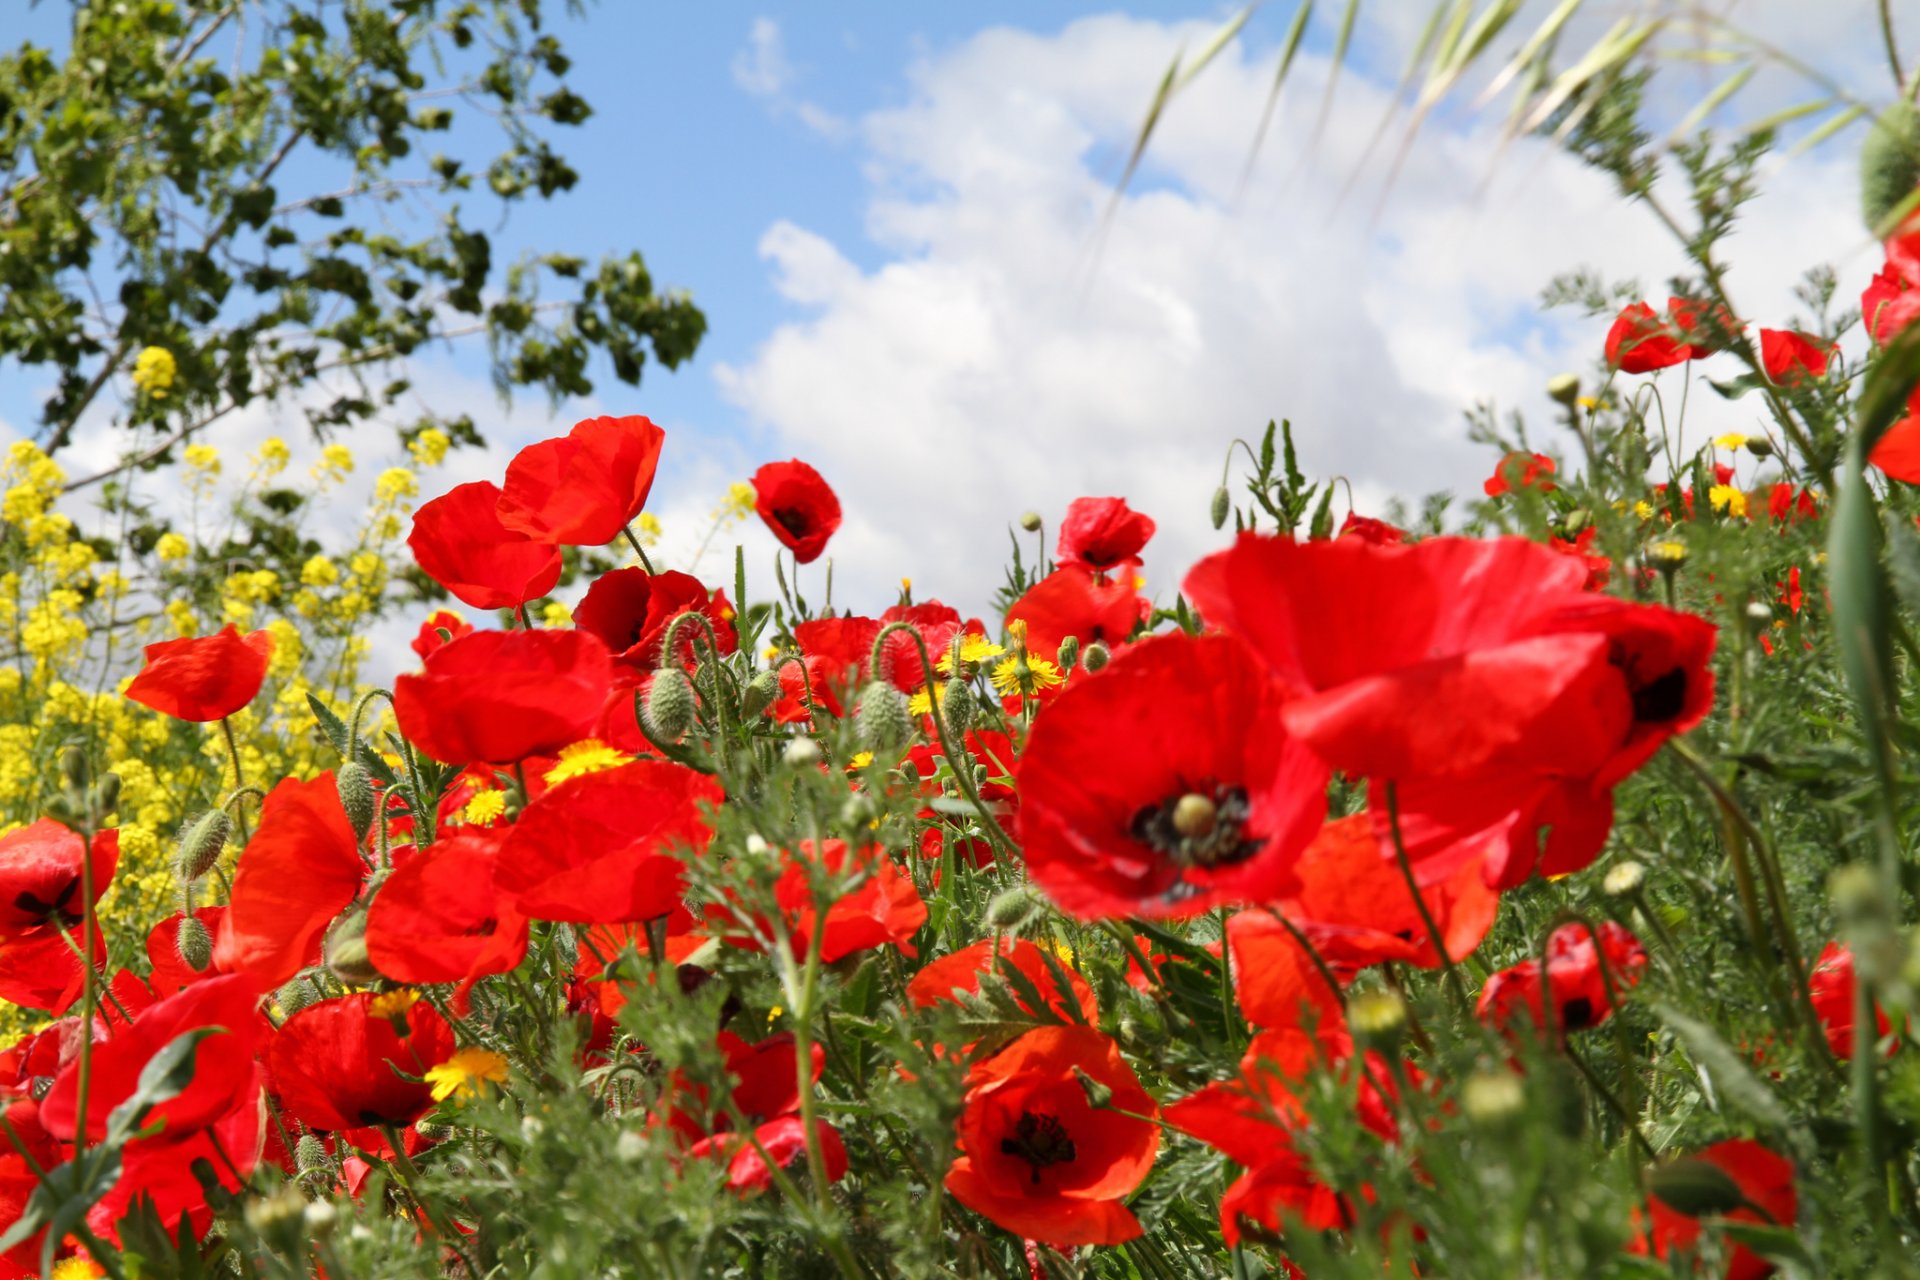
x=1643, y=510
x=974, y=648
x=1026, y=675
x=589, y=755
x=77, y=1267
x=393, y=1004
x=1588, y=403
x=860, y=760
x=1731, y=440
x=154, y=370
x=1725, y=497
x=465, y=1072
x=485, y=807
x=921, y=703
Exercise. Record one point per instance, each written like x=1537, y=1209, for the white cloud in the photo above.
x=1012, y=353
x=762, y=69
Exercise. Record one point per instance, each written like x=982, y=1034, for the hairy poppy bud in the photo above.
x=1012, y=908
x=1695, y=1188
x=1222, y=506
x=760, y=693
x=106, y=794
x=1854, y=890
x=1490, y=1097
x=956, y=706
x=1378, y=1018
x=194, y=944
x=345, y=950
x=278, y=1212
x=669, y=708
x=355, y=785
x=1030, y=521
x=296, y=995
x=1099, y=1096
x=1564, y=388
x=74, y=774
x=1069, y=652
x=318, y=1218
x=882, y=717
x=1759, y=446
x=310, y=1156
x=1096, y=657
x=1759, y=616
x=200, y=844
x=1577, y=521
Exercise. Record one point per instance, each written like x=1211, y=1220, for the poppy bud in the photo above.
x=1624, y=879
x=1099, y=1096
x=669, y=708
x=296, y=995
x=319, y=1217
x=1378, y=1018
x=1667, y=556
x=310, y=1156
x=345, y=950
x=1195, y=815
x=277, y=1212
x=956, y=706
x=1564, y=388
x=355, y=785
x=1854, y=890
x=1030, y=521
x=194, y=943
x=1695, y=1188
x=74, y=774
x=106, y=794
x=200, y=843
x=1759, y=446
x=1577, y=521
x=1222, y=505
x=1096, y=657
x=630, y=1146
x=1013, y=908
x=882, y=718
x=1759, y=616
x=760, y=693
x=801, y=751
x=1490, y=1097
x=1069, y=652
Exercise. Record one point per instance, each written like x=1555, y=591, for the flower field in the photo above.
x=1519, y=888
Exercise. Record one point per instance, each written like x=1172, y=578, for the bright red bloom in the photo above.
x=843, y=648
x=1599, y=567
x=1516, y=471
x=884, y=909
x=1640, y=341
x=1784, y=506
x=301, y=869
x=203, y=678
x=1275, y=981
x=806, y=685
x=1766, y=1183
x=798, y=506
x=1069, y=602
x=581, y=489
x=1891, y=301
x=337, y=1065
x=40, y=869
x=459, y=542
x=445, y=620
x=500, y=696
x=19, y=1182
x=1378, y=532
x=40, y=970
x=1166, y=784
x=440, y=918
x=1101, y=534
x=1898, y=451
x=599, y=849
x=1037, y=1159
x=1584, y=979
x=222, y=1063
x=963, y=969
x=1790, y=356
x=630, y=610
x=784, y=1139
x=1831, y=986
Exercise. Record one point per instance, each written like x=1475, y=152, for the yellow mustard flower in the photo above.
x=154, y=371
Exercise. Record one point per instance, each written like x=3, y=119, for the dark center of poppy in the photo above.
x=30, y=903
x=1660, y=699
x=1577, y=1015
x=484, y=929
x=1198, y=828
x=793, y=520
x=1039, y=1139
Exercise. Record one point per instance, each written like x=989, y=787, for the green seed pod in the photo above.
x=761, y=692
x=1564, y=387
x=355, y=785
x=670, y=705
x=296, y=995
x=956, y=706
x=1695, y=1188
x=200, y=843
x=310, y=1155
x=1222, y=505
x=345, y=950
x=1889, y=165
x=194, y=944
x=106, y=794
x=1012, y=908
x=1069, y=652
x=1759, y=446
x=1096, y=657
x=882, y=717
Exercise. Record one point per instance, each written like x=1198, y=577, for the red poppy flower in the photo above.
x=1069, y=602
x=1891, y=301
x=301, y=869
x=1517, y=471
x=222, y=1063
x=40, y=970
x=1640, y=341
x=459, y=542
x=1784, y=506
x=599, y=849
x=440, y=918
x=961, y=971
x=784, y=1140
x=798, y=506
x=163, y=1172
x=1765, y=1181
x=1831, y=985
x=1101, y=534
x=1166, y=784
x=842, y=647
x=806, y=685
x=936, y=624
x=40, y=868
x=582, y=489
x=203, y=678
x=500, y=696
x=19, y=1183
x=1585, y=979
x=1378, y=532
x=882, y=909
x=338, y=1065
x=1898, y=451
x=1790, y=356
x=1036, y=1158
x=445, y=620
x=1599, y=567
x=630, y=610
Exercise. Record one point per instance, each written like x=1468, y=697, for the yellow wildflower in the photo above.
x=485, y=807
x=1643, y=510
x=154, y=370
x=172, y=547
x=395, y=485
x=319, y=571
x=465, y=1072
x=77, y=1267
x=739, y=502
x=429, y=448
x=860, y=760
x=556, y=613
x=336, y=460
x=974, y=648
x=1028, y=675
x=393, y=1004
x=1725, y=497
x=587, y=756
x=1731, y=440
x=272, y=457
x=647, y=529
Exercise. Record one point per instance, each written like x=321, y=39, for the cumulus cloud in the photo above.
x=1016, y=348
x=762, y=69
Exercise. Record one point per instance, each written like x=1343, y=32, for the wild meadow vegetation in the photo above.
x=1522, y=887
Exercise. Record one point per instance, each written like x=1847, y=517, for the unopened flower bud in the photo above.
x=319, y=1217
x=761, y=692
x=1667, y=556
x=277, y=1212
x=1012, y=908
x=1564, y=388
x=1096, y=657
x=106, y=794
x=1759, y=446
x=1069, y=652
x=1695, y=1188
x=1624, y=878
x=882, y=717
x=669, y=705
x=1378, y=1018
x=1099, y=1096
x=1222, y=507
x=310, y=1156
x=1759, y=616
x=194, y=944
x=1030, y=521
x=355, y=786
x=1854, y=889
x=345, y=950
x=296, y=995
x=956, y=706
x=1195, y=815
x=801, y=751
x=201, y=842
x=1577, y=522
x=1490, y=1097
x=74, y=773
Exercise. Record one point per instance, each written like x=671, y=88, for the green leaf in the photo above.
x=1889, y=164
x=1903, y=559
x=1734, y=388
x=1857, y=586
x=1731, y=1075
x=1889, y=382
x=1776, y=1244
x=166, y=1076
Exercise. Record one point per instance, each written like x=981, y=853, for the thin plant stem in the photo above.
x=638, y=550
x=1454, y=985
x=233, y=754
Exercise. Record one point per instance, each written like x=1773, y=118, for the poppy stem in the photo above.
x=641, y=551
x=1454, y=985
x=233, y=754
